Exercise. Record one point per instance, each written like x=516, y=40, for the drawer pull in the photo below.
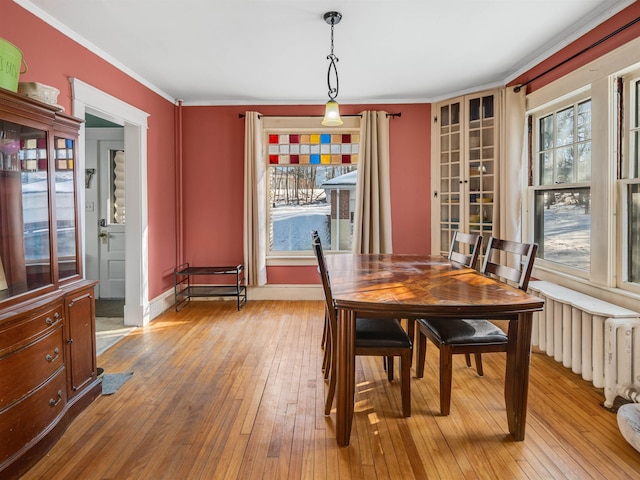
x=53, y=402
x=56, y=317
x=54, y=358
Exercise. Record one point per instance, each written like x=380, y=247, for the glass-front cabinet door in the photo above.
x=480, y=166
x=450, y=172
x=66, y=232
x=465, y=140
x=25, y=252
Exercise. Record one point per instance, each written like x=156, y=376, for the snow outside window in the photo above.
x=562, y=194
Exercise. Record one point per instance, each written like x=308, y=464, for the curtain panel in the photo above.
x=372, y=223
x=255, y=184
x=513, y=164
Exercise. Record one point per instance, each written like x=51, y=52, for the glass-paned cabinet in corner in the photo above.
x=464, y=170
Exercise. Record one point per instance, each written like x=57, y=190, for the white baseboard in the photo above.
x=286, y=292
x=161, y=304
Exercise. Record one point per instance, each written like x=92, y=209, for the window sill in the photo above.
x=623, y=298
x=301, y=260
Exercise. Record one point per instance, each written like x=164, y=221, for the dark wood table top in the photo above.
x=420, y=286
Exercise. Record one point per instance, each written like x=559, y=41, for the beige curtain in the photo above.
x=255, y=184
x=513, y=164
x=372, y=223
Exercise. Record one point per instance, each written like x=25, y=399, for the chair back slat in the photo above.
x=457, y=251
x=497, y=258
x=324, y=274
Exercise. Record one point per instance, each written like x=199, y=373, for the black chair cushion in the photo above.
x=461, y=332
x=377, y=333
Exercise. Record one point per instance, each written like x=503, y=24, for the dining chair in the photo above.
x=374, y=337
x=477, y=336
x=464, y=249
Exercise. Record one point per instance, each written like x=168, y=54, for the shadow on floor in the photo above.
x=110, y=307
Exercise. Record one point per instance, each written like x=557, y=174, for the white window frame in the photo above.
x=565, y=102
x=629, y=177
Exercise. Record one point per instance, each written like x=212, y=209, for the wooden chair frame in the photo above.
x=377, y=328
x=494, y=340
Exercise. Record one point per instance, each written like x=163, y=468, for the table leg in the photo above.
x=516, y=387
x=346, y=371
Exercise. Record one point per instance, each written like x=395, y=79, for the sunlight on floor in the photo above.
x=109, y=331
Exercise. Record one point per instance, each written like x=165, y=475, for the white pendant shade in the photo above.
x=332, y=114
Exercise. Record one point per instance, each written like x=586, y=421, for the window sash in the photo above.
x=561, y=195
x=564, y=145
x=629, y=191
x=293, y=209
x=631, y=269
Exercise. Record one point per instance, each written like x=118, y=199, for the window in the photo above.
x=583, y=202
x=631, y=184
x=116, y=188
x=562, y=194
x=312, y=186
x=633, y=237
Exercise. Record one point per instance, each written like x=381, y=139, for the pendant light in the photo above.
x=332, y=109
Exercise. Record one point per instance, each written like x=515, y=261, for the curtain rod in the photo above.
x=584, y=50
x=242, y=115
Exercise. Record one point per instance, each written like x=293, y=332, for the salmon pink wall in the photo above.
x=213, y=184
x=618, y=21
x=213, y=163
x=52, y=59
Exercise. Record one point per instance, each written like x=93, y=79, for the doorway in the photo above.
x=104, y=226
x=89, y=100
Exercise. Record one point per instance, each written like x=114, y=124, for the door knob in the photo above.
x=103, y=235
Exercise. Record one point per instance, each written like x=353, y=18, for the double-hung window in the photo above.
x=630, y=190
x=312, y=175
x=562, y=184
x=583, y=202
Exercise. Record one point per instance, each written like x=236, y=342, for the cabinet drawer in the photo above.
x=23, y=370
x=18, y=332
x=28, y=418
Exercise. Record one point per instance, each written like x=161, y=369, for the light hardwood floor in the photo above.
x=218, y=393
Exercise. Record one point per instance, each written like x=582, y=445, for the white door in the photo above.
x=111, y=231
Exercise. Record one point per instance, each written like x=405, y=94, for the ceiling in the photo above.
x=244, y=52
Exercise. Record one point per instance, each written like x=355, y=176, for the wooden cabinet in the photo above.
x=464, y=167
x=48, y=371
x=80, y=339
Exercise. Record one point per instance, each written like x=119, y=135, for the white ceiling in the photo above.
x=226, y=52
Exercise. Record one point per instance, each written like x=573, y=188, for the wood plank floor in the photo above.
x=218, y=393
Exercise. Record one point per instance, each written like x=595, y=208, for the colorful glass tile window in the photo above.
x=313, y=149
x=312, y=180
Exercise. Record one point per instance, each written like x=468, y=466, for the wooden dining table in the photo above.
x=417, y=286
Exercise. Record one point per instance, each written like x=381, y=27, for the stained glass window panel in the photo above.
x=314, y=149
